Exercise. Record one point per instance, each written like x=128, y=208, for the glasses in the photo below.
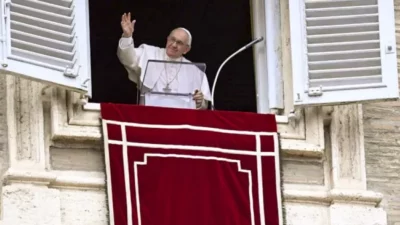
x=174, y=40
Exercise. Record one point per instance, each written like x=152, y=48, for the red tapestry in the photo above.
x=191, y=167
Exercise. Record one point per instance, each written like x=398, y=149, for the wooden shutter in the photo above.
x=343, y=51
x=47, y=40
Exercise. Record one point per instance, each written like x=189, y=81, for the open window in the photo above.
x=263, y=63
x=48, y=41
x=343, y=51
x=52, y=41
x=215, y=37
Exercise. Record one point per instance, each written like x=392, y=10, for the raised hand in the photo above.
x=127, y=25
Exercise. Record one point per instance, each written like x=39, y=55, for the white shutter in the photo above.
x=343, y=51
x=47, y=40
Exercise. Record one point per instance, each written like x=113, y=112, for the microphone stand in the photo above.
x=223, y=64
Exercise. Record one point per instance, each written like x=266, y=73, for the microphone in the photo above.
x=226, y=60
x=253, y=43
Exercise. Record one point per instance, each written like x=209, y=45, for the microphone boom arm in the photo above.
x=226, y=60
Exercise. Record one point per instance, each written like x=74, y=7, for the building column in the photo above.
x=351, y=202
x=347, y=148
x=26, y=197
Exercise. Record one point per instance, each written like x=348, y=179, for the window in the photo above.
x=215, y=37
x=341, y=50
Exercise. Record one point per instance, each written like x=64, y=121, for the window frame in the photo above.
x=72, y=120
x=267, y=58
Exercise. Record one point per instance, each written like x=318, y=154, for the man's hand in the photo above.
x=198, y=97
x=127, y=25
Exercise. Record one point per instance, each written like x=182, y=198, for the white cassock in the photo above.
x=162, y=77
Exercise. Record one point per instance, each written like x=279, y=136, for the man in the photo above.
x=178, y=44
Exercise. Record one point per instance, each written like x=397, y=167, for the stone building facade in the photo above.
x=339, y=163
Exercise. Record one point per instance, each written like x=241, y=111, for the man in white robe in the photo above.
x=175, y=77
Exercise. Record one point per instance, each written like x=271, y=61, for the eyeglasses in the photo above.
x=174, y=40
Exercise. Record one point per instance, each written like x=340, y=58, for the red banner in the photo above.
x=191, y=167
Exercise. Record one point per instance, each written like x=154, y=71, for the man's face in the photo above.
x=177, y=44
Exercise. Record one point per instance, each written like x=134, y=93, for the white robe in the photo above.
x=182, y=78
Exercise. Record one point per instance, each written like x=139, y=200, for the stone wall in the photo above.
x=382, y=146
x=382, y=152
x=63, y=182
x=3, y=133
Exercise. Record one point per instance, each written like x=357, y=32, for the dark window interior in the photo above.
x=218, y=27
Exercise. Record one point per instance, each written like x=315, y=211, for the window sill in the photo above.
x=83, y=124
x=95, y=107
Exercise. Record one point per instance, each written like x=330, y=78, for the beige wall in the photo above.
x=382, y=152
x=382, y=146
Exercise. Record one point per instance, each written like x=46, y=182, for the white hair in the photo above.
x=187, y=32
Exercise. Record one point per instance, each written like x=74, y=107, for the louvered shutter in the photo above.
x=47, y=40
x=343, y=51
